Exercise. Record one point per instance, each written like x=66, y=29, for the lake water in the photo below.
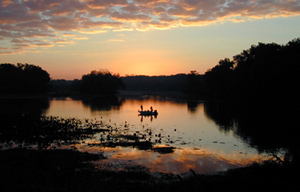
x=184, y=136
x=191, y=138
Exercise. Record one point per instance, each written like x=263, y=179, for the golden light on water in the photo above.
x=181, y=139
x=180, y=161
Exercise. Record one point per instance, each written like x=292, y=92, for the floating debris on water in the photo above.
x=163, y=149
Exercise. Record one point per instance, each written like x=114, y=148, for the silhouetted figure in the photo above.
x=141, y=107
x=151, y=109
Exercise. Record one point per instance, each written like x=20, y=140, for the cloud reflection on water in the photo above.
x=200, y=143
x=180, y=161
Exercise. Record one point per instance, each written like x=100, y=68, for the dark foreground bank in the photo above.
x=70, y=170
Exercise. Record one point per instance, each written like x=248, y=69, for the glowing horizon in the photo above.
x=143, y=37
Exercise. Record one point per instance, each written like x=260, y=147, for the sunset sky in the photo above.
x=69, y=38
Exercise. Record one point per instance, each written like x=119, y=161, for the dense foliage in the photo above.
x=265, y=71
x=100, y=82
x=23, y=78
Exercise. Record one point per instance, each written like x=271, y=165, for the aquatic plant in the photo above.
x=42, y=131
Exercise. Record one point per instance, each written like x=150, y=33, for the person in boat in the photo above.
x=141, y=107
x=151, y=109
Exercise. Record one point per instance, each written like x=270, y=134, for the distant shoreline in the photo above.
x=123, y=93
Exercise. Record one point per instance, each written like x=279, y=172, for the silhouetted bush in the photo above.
x=23, y=78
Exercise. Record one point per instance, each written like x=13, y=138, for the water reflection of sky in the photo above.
x=180, y=161
x=200, y=143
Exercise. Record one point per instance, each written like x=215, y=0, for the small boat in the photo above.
x=145, y=113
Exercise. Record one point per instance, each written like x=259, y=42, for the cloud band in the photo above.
x=24, y=22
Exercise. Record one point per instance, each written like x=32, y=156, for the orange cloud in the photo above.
x=5, y=3
x=43, y=18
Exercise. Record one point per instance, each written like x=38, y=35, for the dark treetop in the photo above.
x=23, y=78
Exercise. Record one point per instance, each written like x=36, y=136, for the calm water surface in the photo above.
x=184, y=134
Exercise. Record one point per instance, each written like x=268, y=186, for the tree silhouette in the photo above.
x=194, y=83
x=100, y=82
x=258, y=69
x=262, y=72
x=23, y=78
x=219, y=79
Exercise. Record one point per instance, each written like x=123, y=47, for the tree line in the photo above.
x=170, y=83
x=264, y=71
x=32, y=79
x=134, y=83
